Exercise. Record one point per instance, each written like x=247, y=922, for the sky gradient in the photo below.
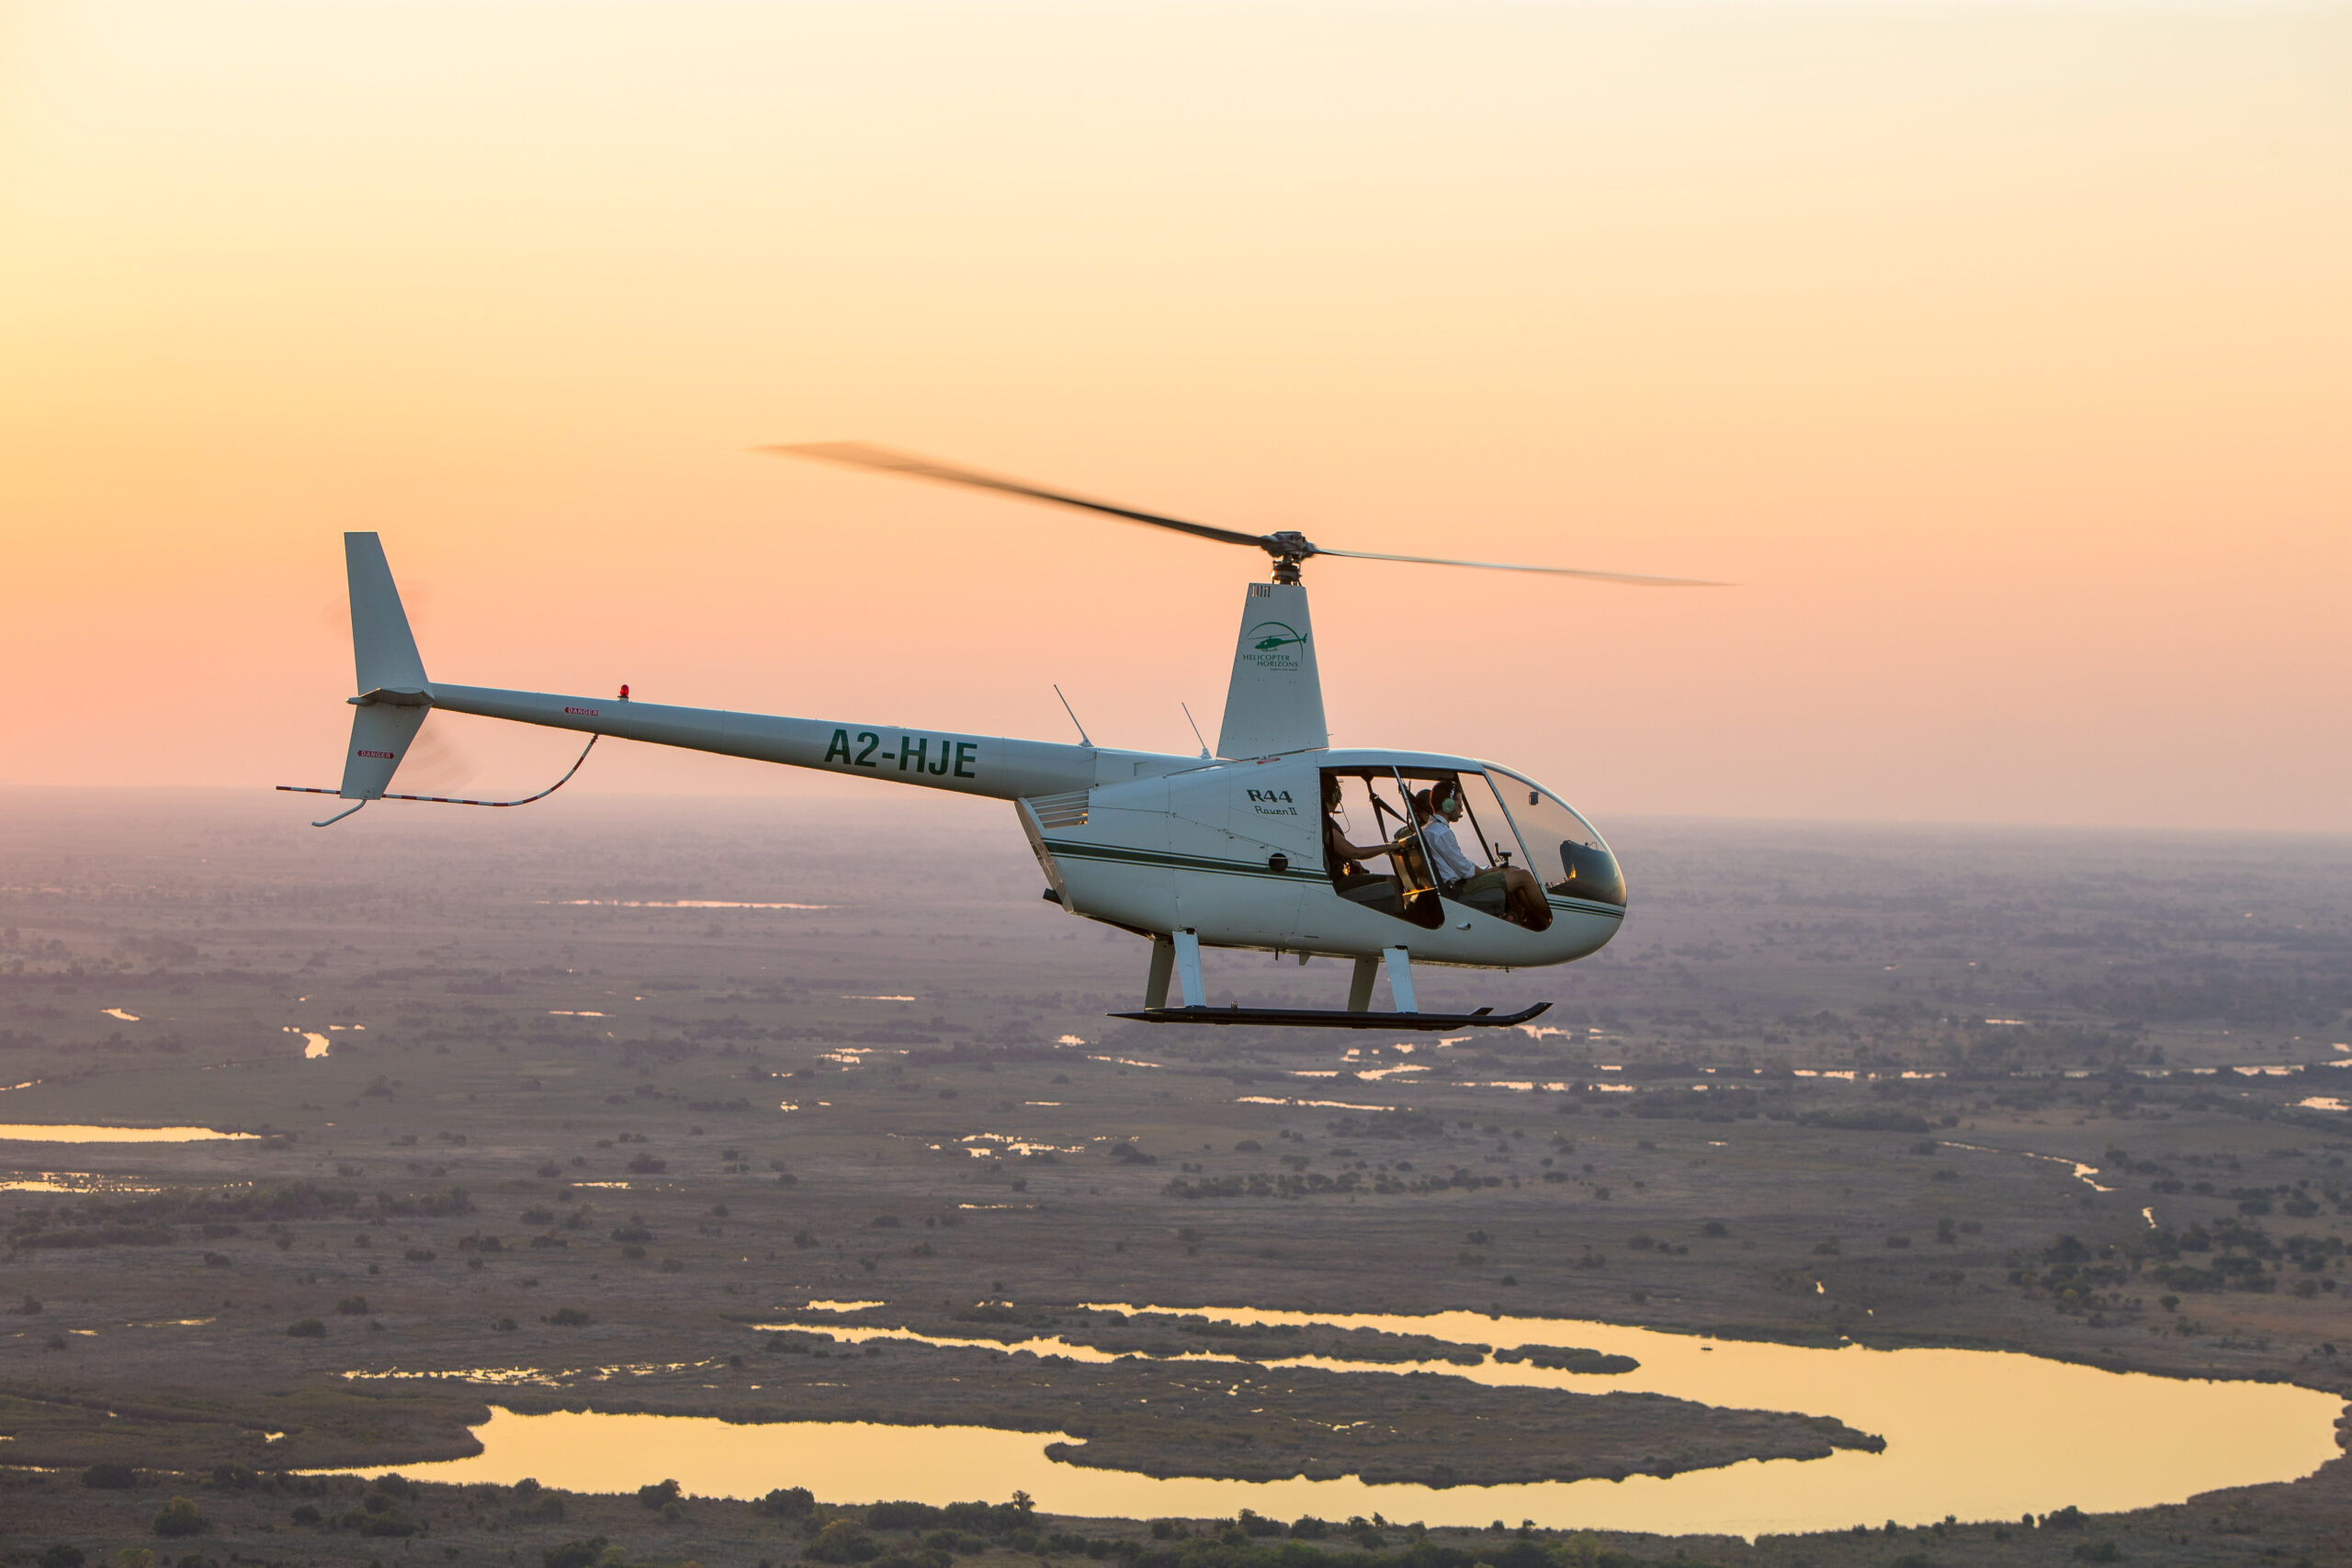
x=2002, y=355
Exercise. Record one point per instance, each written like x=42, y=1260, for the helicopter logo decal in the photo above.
x=1268, y=644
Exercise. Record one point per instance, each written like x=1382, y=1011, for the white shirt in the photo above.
x=1446, y=858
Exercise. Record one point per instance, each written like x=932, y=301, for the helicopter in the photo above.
x=1268, y=842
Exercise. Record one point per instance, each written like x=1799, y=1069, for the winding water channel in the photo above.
x=1975, y=1434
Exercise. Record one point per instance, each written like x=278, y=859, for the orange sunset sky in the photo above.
x=2001, y=354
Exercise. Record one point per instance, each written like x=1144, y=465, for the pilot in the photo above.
x=1340, y=857
x=1459, y=877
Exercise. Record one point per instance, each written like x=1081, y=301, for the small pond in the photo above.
x=45, y=1132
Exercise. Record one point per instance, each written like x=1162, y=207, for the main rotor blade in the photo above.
x=1626, y=577
x=883, y=459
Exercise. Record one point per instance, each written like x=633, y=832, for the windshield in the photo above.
x=1568, y=857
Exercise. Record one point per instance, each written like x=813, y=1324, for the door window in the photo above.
x=1371, y=851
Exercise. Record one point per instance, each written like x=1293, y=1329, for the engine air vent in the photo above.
x=1058, y=810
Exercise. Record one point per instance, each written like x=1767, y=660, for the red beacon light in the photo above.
x=624, y=691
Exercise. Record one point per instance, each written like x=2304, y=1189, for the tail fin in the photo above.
x=382, y=647
x=393, y=700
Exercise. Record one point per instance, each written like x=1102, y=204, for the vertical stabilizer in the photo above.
x=382, y=649
x=1276, y=703
x=391, y=699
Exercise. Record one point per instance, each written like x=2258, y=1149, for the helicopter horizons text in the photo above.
x=914, y=753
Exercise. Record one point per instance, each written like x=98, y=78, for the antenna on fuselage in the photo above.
x=1196, y=728
x=1073, y=716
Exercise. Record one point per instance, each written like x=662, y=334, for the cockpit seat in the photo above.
x=1490, y=899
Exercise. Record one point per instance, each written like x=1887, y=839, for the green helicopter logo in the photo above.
x=1286, y=635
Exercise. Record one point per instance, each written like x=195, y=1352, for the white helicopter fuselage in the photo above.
x=1150, y=841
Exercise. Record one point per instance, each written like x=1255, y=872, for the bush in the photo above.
x=574, y=1553
x=352, y=1306
x=1309, y=1527
x=306, y=1514
x=568, y=1317
x=62, y=1555
x=180, y=1518
x=110, y=1477
x=844, y=1540
x=788, y=1503
x=306, y=1328
x=657, y=1495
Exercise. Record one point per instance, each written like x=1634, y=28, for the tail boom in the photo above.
x=991, y=766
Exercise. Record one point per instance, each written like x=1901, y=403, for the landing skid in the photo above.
x=1326, y=1018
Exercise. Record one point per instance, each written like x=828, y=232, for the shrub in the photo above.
x=352, y=1306
x=306, y=1328
x=62, y=1555
x=657, y=1495
x=574, y=1553
x=844, y=1540
x=1308, y=1528
x=568, y=1317
x=788, y=1503
x=305, y=1514
x=110, y=1477
x=181, y=1517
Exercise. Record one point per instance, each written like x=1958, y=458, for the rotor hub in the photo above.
x=1288, y=548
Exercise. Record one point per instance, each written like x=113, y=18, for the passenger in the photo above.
x=1340, y=857
x=1460, y=878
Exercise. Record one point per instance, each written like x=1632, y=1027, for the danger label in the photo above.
x=384, y=756
x=590, y=712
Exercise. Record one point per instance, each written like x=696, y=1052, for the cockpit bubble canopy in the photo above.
x=1567, y=856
